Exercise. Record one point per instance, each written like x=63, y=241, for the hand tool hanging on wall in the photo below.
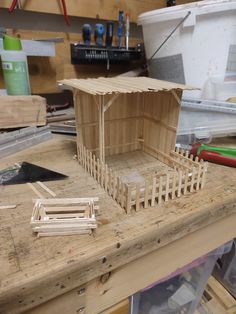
x=86, y=33
x=127, y=26
x=98, y=34
x=17, y=4
x=109, y=34
x=66, y=17
x=120, y=29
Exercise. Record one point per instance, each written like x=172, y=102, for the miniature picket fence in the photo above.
x=188, y=175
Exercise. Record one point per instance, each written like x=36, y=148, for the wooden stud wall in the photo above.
x=123, y=123
x=103, y=9
x=134, y=121
x=46, y=71
x=161, y=112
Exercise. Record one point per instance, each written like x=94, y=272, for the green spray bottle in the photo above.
x=15, y=67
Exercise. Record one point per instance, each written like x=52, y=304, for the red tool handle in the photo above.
x=194, y=149
x=217, y=158
x=13, y=5
x=66, y=17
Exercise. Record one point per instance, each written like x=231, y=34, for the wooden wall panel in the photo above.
x=103, y=9
x=133, y=121
x=46, y=71
x=161, y=112
x=123, y=123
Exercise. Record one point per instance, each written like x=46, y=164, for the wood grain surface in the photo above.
x=35, y=270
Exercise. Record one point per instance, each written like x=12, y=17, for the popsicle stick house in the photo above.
x=126, y=138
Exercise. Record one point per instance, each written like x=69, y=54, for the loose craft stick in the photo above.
x=30, y=185
x=43, y=186
x=7, y=206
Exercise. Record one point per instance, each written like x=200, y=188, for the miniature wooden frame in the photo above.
x=125, y=114
x=64, y=216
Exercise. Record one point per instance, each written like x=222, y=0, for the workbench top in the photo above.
x=34, y=270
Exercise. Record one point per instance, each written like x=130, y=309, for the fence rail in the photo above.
x=152, y=191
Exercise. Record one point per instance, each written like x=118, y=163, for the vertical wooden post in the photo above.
x=128, y=199
x=109, y=181
x=106, y=177
x=185, y=182
x=205, y=164
x=146, y=193
x=78, y=115
x=101, y=113
x=179, y=184
x=122, y=194
x=160, y=190
x=173, y=186
x=118, y=186
x=154, y=183
x=98, y=171
x=94, y=167
x=167, y=187
x=91, y=163
x=114, y=184
x=102, y=174
x=192, y=180
x=137, y=196
x=199, y=175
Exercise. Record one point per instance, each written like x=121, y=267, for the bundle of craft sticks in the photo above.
x=64, y=216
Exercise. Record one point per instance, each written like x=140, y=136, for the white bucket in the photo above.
x=202, y=47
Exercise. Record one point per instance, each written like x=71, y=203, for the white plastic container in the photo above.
x=219, y=88
x=203, y=46
x=15, y=67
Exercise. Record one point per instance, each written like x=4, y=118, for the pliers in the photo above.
x=17, y=4
x=220, y=155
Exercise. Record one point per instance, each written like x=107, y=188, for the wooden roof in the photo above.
x=121, y=84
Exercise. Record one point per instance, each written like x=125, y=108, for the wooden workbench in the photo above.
x=88, y=274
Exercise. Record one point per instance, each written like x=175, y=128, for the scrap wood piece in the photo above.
x=64, y=216
x=7, y=206
x=33, y=188
x=43, y=186
x=219, y=293
x=20, y=111
x=15, y=141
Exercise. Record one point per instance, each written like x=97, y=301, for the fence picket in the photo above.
x=128, y=199
x=192, y=180
x=160, y=190
x=167, y=187
x=137, y=201
x=179, y=183
x=173, y=186
x=146, y=193
x=154, y=183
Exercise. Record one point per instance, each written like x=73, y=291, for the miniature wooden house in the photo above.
x=126, y=138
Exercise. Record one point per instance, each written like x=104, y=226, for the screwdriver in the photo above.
x=86, y=32
x=98, y=34
x=127, y=22
x=120, y=28
x=109, y=34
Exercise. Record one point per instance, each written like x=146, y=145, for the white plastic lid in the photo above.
x=180, y=11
